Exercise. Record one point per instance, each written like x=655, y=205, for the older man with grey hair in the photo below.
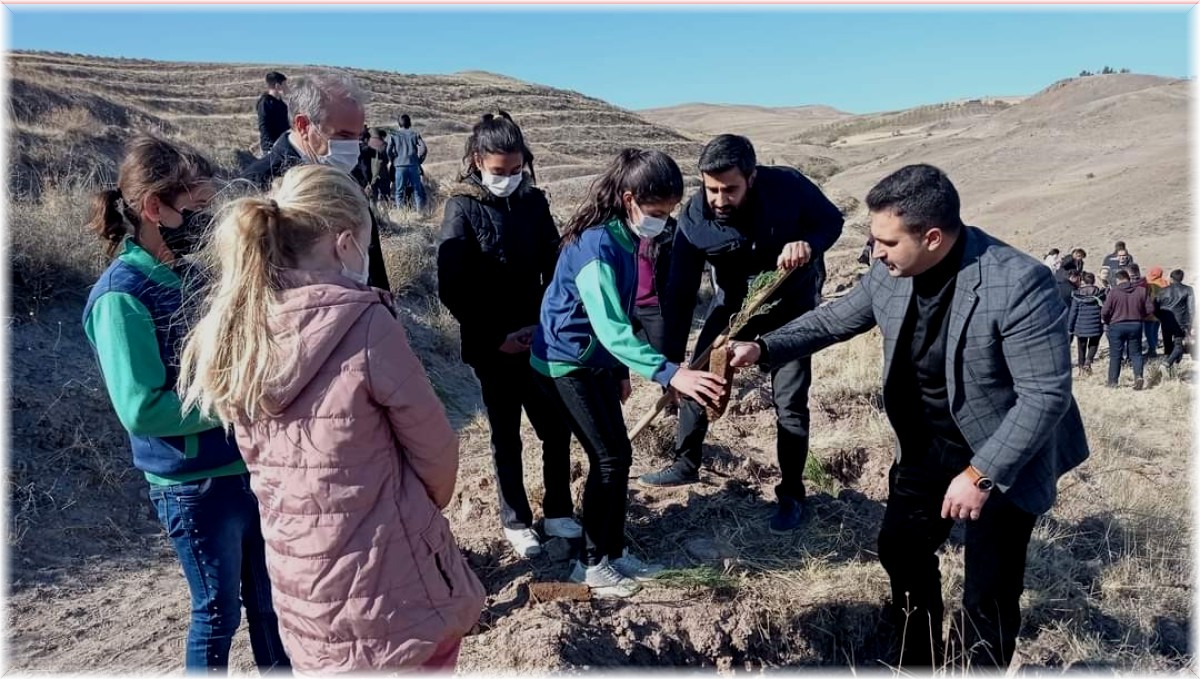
x=328, y=111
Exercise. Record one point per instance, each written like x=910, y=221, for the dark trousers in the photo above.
x=649, y=325
x=593, y=399
x=508, y=384
x=1151, y=328
x=789, y=387
x=1124, y=341
x=1173, y=336
x=1087, y=346
x=995, y=549
x=214, y=526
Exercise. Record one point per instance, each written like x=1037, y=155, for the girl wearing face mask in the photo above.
x=198, y=481
x=498, y=247
x=349, y=449
x=584, y=347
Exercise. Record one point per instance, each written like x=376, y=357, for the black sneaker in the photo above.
x=675, y=475
x=788, y=514
x=1138, y=384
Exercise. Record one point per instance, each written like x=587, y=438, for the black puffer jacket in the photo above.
x=495, y=258
x=1084, y=320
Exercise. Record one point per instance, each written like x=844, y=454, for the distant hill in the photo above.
x=71, y=114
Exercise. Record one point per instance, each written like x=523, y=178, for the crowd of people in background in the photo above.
x=388, y=168
x=299, y=457
x=1138, y=314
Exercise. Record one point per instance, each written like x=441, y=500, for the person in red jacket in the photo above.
x=1124, y=308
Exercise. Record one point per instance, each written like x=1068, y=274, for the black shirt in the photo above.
x=926, y=429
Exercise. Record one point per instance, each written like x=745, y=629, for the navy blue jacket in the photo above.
x=783, y=206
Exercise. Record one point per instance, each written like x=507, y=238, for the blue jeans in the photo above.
x=213, y=525
x=409, y=176
x=1152, y=329
x=1124, y=341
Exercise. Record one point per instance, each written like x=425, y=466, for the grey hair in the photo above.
x=312, y=95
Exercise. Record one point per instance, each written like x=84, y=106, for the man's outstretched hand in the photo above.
x=744, y=354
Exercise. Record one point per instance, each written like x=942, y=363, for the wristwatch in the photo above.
x=981, y=482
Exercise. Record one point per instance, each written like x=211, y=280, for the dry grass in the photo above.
x=1109, y=576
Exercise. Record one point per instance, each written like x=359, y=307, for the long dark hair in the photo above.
x=494, y=133
x=652, y=176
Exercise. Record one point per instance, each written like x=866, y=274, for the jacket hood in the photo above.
x=1087, y=291
x=1127, y=286
x=314, y=312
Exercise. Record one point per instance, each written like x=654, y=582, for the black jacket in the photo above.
x=283, y=157
x=783, y=206
x=1176, y=299
x=1065, y=289
x=496, y=256
x=272, y=120
x=1084, y=319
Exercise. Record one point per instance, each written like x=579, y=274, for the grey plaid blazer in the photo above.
x=1008, y=361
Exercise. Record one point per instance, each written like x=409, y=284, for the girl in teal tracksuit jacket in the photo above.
x=585, y=346
x=198, y=481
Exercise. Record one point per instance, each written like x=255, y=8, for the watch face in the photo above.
x=985, y=484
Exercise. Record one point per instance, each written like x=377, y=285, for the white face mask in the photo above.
x=501, y=187
x=648, y=227
x=362, y=276
x=342, y=154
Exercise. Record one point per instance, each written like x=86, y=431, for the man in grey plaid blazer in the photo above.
x=977, y=384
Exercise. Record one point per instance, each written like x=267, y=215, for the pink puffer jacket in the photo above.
x=350, y=477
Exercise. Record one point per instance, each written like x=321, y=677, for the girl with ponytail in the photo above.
x=198, y=481
x=584, y=347
x=349, y=450
x=497, y=252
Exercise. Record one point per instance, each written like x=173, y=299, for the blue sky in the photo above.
x=856, y=59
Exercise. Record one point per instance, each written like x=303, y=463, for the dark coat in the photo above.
x=273, y=121
x=496, y=257
x=1084, y=320
x=783, y=206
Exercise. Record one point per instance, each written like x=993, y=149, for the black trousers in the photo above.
x=789, y=389
x=1087, y=347
x=649, y=325
x=1173, y=335
x=509, y=384
x=593, y=399
x=995, y=548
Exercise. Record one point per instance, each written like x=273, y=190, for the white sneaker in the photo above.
x=634, y=568
x=604, y=580
x=565, y=527
x=524, y=541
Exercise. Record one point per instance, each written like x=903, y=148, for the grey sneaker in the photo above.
x=604, y=580
x=675, y=475
x=634, y=568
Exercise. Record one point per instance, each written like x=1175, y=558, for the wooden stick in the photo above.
x=701, y=361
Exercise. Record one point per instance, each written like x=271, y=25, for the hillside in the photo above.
x=760, y=123
x=93, y=583
x=1083, y=163
x=74, y=108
